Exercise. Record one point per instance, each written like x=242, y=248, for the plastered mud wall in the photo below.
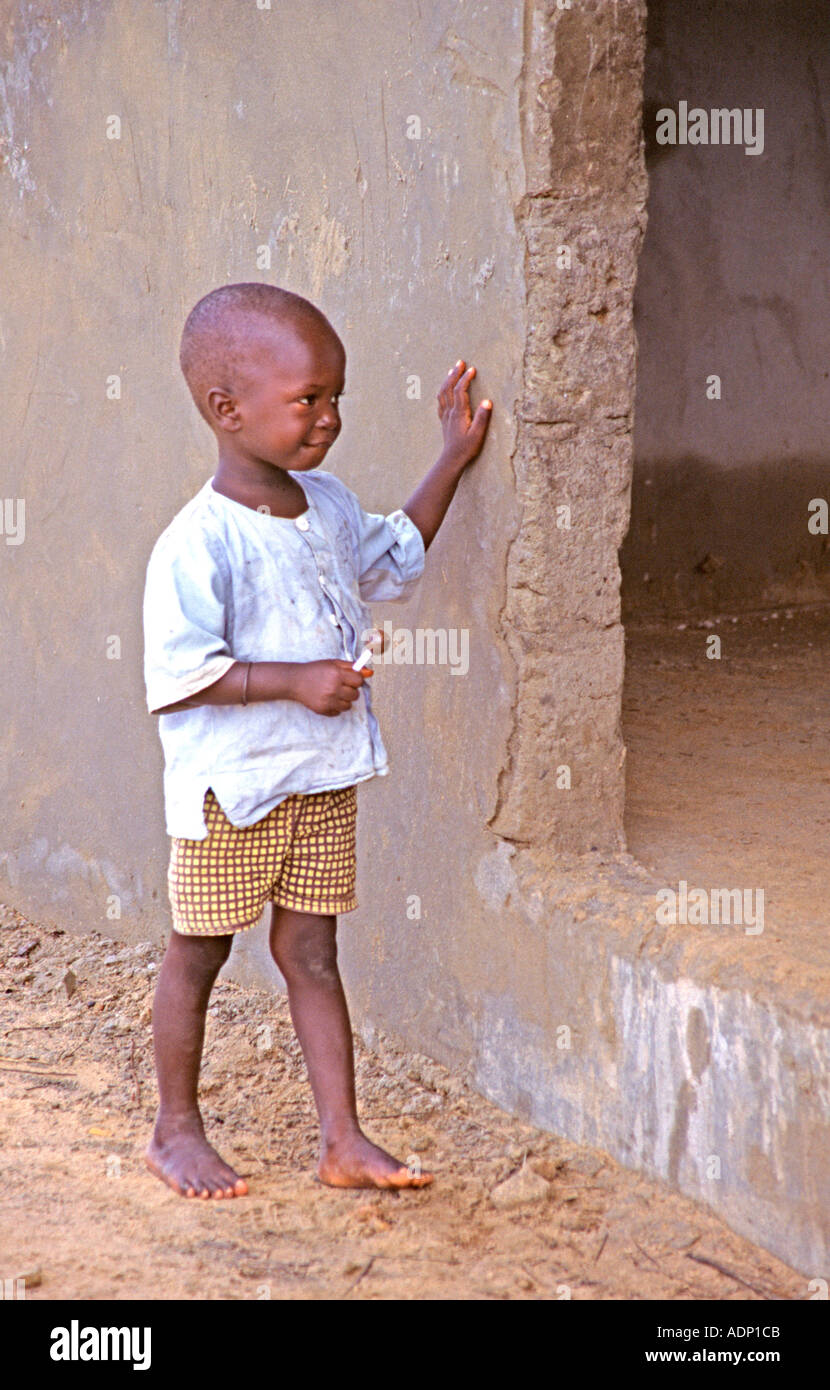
x=445, y=180
x=367, y=156
x=436, y=952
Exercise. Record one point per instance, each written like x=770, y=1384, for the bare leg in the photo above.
x=179, y=1153
x=304, y=947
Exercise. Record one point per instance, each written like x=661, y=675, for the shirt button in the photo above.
x=322, y=578
x=333, y=618
x=301, y=522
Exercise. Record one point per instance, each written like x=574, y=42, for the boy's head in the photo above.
x=266, y=370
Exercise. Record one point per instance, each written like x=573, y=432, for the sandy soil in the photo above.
x=81, y=1217
x=728, y=773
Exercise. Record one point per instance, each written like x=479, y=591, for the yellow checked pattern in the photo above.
x=301, y=855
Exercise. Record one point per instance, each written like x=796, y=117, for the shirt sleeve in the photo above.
x=389, y=551
x=185, y=595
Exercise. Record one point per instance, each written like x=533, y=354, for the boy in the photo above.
x=253, y=617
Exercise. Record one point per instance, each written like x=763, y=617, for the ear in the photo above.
x=222, y=409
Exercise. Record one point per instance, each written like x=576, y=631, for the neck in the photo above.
x=256, y=483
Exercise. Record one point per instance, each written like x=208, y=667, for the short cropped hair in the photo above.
x=215, y=335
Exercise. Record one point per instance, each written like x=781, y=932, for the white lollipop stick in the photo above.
x=367, y=655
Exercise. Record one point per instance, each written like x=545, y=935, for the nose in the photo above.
x=329, y=417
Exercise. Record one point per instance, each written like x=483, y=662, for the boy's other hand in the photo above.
x=464, y=431
x=329, y=686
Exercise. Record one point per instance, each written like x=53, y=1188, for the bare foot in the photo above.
x=182, y=1157
x=354, y=1161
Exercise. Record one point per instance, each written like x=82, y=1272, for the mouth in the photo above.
x=319, y=444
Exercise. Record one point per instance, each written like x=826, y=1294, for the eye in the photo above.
x=337, y=396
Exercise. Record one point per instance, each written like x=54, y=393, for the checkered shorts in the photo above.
x=301, y=855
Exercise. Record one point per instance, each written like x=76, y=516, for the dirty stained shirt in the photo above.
x=226, y=583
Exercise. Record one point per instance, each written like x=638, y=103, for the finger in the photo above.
x=481, y=420
x=452, y=377
x=351, y=678
x=462, y=385
x=346, y=692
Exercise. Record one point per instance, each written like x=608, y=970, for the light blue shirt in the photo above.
x=226, y=583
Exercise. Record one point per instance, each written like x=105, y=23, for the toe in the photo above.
x=409, y=1179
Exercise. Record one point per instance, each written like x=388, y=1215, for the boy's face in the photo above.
x=285, y=407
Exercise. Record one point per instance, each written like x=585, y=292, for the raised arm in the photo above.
x=464, y=434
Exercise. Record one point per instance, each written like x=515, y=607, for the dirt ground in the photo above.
x=728, y=776
x=81, y=1217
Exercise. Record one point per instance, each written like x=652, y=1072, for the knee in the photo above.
x=202, y=956
x=308, y=956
